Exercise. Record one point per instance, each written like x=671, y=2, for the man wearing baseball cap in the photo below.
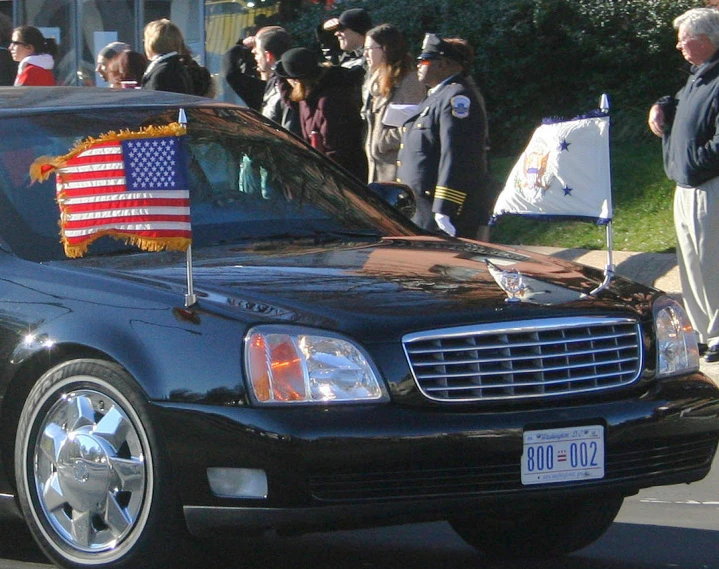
x=443, y=154
x=350, y=29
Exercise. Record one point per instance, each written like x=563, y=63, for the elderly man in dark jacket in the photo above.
x=443, y=156
x=689, y=126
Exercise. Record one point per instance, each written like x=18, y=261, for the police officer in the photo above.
x=443, y=155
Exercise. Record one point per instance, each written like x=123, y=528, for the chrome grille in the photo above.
x=525, y=359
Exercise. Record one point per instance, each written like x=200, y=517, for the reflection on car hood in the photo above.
x=411, y=277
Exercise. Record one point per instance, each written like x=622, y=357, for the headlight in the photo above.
x=677, y=349
x=295, y=365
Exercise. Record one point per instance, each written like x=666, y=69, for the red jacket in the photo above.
x=34, y=76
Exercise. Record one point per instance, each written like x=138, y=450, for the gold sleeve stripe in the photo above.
x=449, y=195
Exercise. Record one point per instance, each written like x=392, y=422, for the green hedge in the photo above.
x=540, y=58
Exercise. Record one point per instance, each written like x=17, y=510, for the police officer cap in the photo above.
x=434, y=46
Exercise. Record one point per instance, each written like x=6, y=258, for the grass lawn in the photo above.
x=642, y=198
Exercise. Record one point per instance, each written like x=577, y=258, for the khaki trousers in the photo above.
x=696, y=221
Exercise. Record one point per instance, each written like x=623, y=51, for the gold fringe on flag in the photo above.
x=44, y=166
x=145, y=243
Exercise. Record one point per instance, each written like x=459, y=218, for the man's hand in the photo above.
x=656, y=120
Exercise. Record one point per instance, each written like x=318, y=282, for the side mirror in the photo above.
x=399, y=196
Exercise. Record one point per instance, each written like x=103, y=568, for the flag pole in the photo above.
x=609, y=267
x=190, y=297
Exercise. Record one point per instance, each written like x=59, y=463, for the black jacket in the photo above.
x=276, y=104
x=691, y=134
x=168, y=73
x=8, y=68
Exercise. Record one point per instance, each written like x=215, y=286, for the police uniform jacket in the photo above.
x=443, y=155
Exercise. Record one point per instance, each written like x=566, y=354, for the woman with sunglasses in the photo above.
x=35, y=56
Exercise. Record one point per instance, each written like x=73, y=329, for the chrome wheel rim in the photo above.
x=89, y=470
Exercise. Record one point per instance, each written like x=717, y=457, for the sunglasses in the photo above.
x=22, y=43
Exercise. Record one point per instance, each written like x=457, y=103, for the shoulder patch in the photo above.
x=460, y=106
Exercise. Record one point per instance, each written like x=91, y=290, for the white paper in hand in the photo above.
x=398, y=114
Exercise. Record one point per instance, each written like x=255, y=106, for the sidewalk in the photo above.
x=654, y=269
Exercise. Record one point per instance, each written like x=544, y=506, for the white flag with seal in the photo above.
x=563, y=172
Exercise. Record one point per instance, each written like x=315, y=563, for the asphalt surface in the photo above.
x=654, y=269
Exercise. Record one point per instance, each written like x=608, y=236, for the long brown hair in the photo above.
x=303, y=87
x=397, y=61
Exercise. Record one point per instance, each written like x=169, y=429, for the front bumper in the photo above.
x=344, y=466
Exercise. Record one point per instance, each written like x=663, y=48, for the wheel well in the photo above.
x=18, y=389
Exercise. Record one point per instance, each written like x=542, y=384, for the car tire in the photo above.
x=540, y=531
x=93, y=481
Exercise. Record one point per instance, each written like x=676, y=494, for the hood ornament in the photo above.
x=510, y=281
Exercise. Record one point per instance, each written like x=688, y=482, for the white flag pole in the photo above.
x=609, y=267
x=190, y=297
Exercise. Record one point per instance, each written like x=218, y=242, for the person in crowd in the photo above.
x=163, y=46
x=329, y=114
x=201, y=83
x=328, y=44
x=35, y=56
x=271, y=43
x=106, y=54
x=392, y=80
x=350, y=29
x=8, y=67
x=240, y=72
x=126, y=69
x=689, y=126
x=443, y=156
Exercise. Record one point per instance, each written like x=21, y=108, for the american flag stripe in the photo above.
x=157, y=228
x=90, y=186
x=94, y=166
x=153, y=212
x=83, y=198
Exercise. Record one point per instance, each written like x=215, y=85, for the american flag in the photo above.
x=131, y=186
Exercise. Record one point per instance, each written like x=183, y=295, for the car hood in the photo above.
x=417, y=278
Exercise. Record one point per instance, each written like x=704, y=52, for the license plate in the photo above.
x=563, y=455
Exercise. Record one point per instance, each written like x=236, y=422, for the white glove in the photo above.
x=445, y=224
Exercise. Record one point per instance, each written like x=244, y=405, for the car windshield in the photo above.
x=248, y=181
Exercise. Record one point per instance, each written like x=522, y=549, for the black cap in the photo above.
x=434, y=46
x=355, y=19
x=298, y=63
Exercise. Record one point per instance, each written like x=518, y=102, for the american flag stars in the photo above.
x=150, y=163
